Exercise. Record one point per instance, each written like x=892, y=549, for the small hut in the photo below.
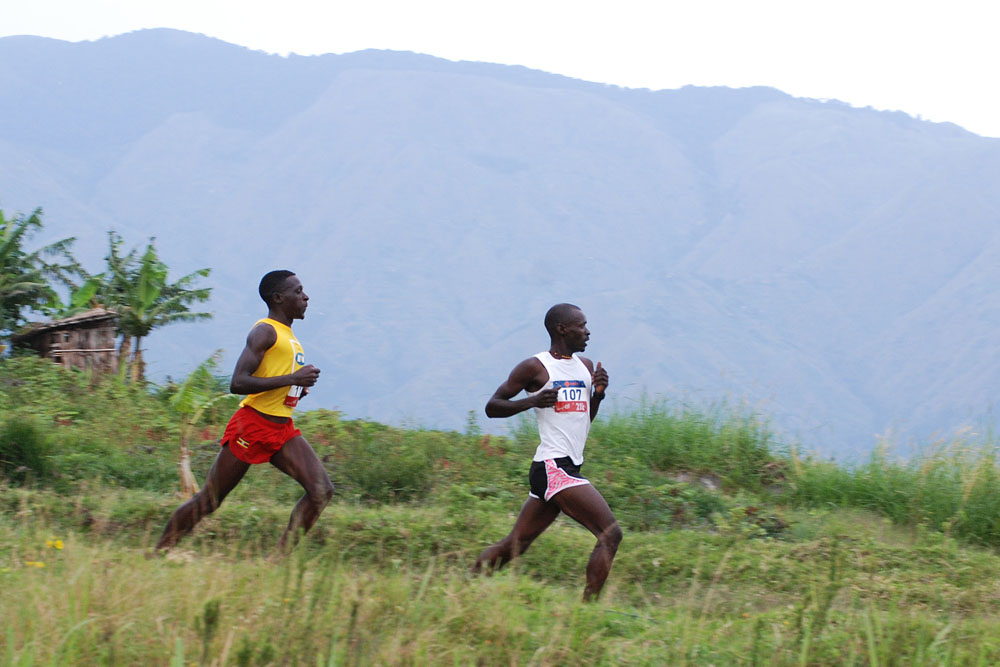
x=85, y=340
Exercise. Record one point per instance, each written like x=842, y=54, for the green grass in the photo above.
x=388, y=585
x=775, y=558
x=951, y=487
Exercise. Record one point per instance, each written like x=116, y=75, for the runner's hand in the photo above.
x=546, y=398
x=305, y=376
x=600, y=380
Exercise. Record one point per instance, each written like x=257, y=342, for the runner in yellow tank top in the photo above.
x=273, y=374
x=283, y=358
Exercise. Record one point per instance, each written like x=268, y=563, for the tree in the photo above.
x=144, y=299
x=137, y=289
x=111, y=288
x=102, y=290
x=26, y=277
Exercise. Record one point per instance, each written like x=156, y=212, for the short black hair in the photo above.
x=271, y=283
x=558, y=314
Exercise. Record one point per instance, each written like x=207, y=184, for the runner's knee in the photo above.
x=321, y=492
x=612, y=536
x=206, y=502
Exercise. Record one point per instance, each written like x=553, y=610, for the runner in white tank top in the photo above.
x=563, y=428
x=566, y=391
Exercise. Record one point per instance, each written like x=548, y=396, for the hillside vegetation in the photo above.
x=738, y=549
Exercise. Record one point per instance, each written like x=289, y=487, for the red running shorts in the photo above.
x=254, y=439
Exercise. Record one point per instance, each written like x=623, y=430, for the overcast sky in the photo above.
x=937, y=60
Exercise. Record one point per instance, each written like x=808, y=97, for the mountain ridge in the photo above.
x=821, y=261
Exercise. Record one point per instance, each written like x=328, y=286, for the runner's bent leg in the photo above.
x=298, y=460
x=534, y=518
x=587, y=506
x=225, y=473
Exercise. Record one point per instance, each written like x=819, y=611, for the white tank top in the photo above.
x=563, y=428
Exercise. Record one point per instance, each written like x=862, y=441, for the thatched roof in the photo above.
x=92, y=315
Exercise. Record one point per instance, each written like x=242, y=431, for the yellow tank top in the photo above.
x=284, y=357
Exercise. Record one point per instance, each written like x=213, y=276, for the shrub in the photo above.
x=386, y=465
x=24, y=451
x=41, y=388
x=80, y=458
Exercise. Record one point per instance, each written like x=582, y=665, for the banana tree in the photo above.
x=148, y=300
x=26, y=276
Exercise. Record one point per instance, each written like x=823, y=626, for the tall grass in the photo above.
x=735, y=445
x=81, y=598
x=953, y=487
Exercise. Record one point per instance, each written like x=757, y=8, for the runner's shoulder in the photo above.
x=262, y=333
x=532, y=366
x=530, y=374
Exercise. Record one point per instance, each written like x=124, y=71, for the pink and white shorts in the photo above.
x=549, y=477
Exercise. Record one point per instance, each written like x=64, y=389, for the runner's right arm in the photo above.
x=259, y=340
x=528, y=375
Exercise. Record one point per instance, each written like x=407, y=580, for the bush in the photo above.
x=24, y=451
x=386, y=465
x=81, y=459
x=40, y=388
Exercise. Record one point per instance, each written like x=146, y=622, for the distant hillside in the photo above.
x=835, y=267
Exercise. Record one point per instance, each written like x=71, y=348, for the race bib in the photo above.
x=572, y=395
x=298, y=361
x=293, y=396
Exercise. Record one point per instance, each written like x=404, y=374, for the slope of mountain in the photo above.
x=831, y=266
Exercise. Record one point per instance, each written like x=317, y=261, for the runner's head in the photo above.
x=567, y=323
x=282, y=291
x=272, y=283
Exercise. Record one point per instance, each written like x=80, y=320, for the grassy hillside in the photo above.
x=737, y=549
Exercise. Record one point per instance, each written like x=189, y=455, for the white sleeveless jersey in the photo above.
x=563, y=428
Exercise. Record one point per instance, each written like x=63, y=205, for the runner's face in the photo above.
x=294, y=298
x=575, y=332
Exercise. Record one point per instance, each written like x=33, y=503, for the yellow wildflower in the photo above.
x=53, y=543
x=34, y=563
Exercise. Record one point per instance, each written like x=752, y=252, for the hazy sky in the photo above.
x=937, y=60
